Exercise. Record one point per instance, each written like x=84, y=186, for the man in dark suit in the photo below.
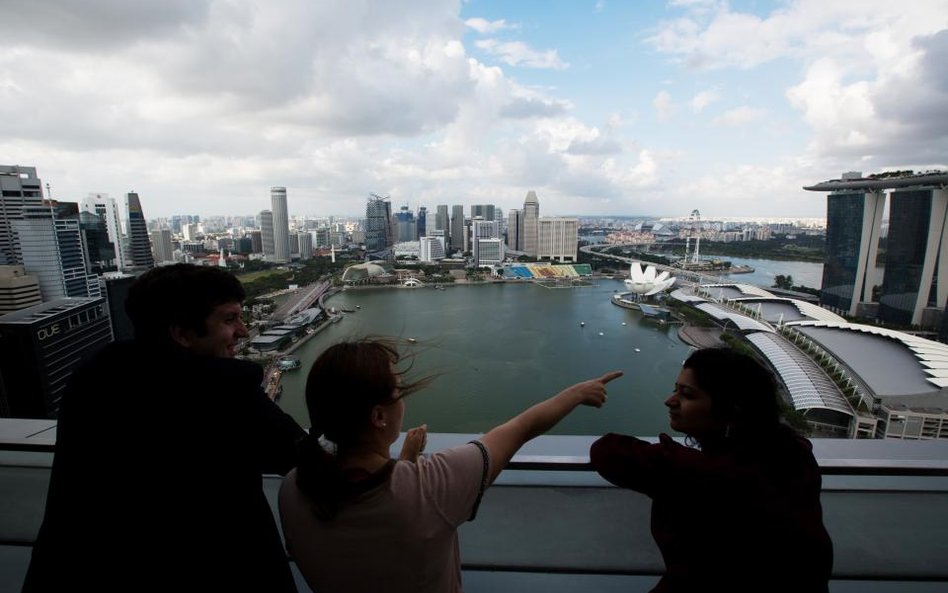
x=161, y=443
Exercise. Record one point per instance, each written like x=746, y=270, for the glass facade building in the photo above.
x=910, y=222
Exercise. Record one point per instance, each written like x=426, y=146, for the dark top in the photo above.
x=156, y=481
x=727, y=521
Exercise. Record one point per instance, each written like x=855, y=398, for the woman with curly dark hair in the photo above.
x=739, y=510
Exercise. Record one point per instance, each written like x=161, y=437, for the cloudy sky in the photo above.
x=601, y=107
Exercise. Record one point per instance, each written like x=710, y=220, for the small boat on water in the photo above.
x=582, y=324
x=288, y=363
x=412, y=340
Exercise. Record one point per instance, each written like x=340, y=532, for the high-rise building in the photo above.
x=514, y=230
x=18, y=290
x=107, y=209
x=305, y=245
x=558, y=238
x=161, y=243
x=421, y=222
x=488, y=252
x=916, y=256
x=458, y=239
x=485, y=211
x=853, y=225
x=256, y=241
x=266, y=234
x=916, y=249
x=378, y=222
x=531, y=216
x=281, y=225
x=294, y=239
x=115, y=286
x=139, y=256
x=41, y=346
x=19, y=188
x=100, y=251
x=406, y=227
x=442, y=222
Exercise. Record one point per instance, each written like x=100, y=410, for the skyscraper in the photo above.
x=515, y=230
x=485, y=211
x=21, y=188
x=100, y=251
x=266, y=234
x=406, y=227
x=378, y=221
x=917, y=247
x=557, y=238
x=442, y=222
x=457, y=228
x=161, y=242
x=421, y=222
x=531, y=216
x=916, y=256
x=305, y=245
x=139, y=248
x=853, y=225
x=281, y=225
x=107, y=209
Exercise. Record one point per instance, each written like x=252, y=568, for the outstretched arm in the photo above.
x=505, y=440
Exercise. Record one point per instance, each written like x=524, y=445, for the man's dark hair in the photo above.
x=182, y=295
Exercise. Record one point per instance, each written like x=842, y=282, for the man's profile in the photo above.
x=161, y=443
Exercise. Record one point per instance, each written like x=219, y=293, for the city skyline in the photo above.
x=602, y=108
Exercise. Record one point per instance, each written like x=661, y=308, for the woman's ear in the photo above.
x=379, y=417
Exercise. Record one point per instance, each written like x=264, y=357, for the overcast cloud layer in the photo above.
x=201, y=106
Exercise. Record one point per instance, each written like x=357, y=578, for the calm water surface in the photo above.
x=501, y=347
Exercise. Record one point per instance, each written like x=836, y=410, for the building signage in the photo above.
x=45, y=333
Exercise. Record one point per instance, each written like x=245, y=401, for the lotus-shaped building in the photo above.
x=647, y=282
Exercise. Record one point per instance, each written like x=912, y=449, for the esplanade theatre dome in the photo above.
x=361, y=272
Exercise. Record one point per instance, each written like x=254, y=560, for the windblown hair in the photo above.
x=344, y=384
x=181, y=295
x=743, y=395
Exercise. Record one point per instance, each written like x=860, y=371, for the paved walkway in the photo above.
x=700, y=337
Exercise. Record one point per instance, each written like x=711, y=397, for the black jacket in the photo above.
x=156, y=481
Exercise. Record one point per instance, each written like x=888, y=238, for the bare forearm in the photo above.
x=541, y=417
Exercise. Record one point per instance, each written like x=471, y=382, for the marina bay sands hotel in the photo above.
x=912, y=287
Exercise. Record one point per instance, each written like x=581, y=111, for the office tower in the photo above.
x=378, y=221
x=138, y=258
x=107, y=209
x=19, y=188
x=100, y=251
x=531, y=214
x=115, y=287
x=853, y=225
x=266, y=234
x=305, y=245
x=557, y=238
x=488, y=252
x=41, y=346
x=294, y=239
x=406, y=227
x=457, y=229
x=281, y=225
x=323, y=237
x=916, y=247
x=163, y=248
x=442, y=222
x=256, y=241
x=18, y=290
x=421, y=222
x=485, y=211
x=514, y=227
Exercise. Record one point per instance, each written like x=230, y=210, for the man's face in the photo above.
x=224, y=329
